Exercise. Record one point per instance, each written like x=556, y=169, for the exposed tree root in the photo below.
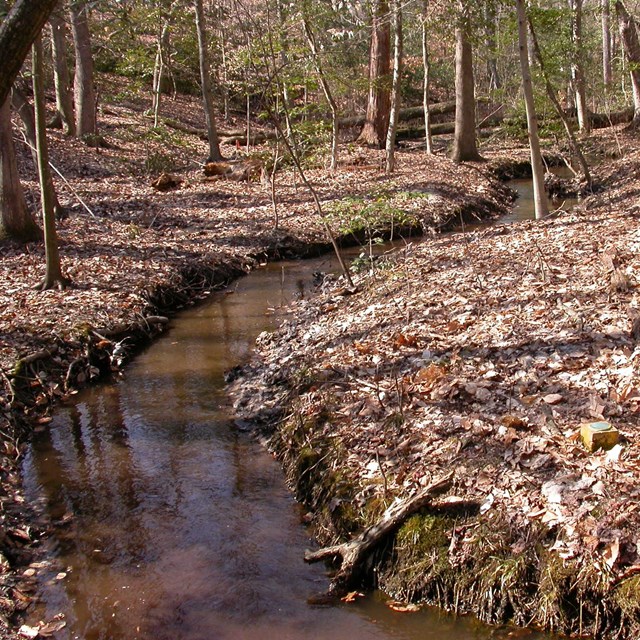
x=355, y=552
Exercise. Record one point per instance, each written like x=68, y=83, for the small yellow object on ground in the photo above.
x=599, y=435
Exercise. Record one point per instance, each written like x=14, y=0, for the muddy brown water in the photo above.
x=172, y=523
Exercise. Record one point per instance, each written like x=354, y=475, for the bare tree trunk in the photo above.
x=495, y=82
x=395, y=86
x=539, y=194
x=629, y=37
x=607, y=74
x=18, y=30
x=83, y=84
x=160, y=69
x=374, y=131
x=577, y=66
x=326, y=89
x=205, y=78
x=426, y=66
x=464, y=140
x=16, y=222
x=26, y=113
x=53, y=274
x=552, y=94
x=61, y=77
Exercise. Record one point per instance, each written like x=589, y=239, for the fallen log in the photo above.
x=354, y=553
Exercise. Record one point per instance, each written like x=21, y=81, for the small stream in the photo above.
x=172, y=524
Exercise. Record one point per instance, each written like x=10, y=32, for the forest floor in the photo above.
x=482, y=351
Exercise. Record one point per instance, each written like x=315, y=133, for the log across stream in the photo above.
x=172, y=523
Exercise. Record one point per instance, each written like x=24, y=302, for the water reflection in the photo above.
x=172, y=524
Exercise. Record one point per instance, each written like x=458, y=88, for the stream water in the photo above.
x=172, y=524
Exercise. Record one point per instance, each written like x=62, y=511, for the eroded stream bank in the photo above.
x=171, y=522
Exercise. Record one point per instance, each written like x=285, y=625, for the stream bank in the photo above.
x=481, y=354
x=169, y=252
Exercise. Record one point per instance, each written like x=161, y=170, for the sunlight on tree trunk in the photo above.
x=539, y=194
x=607, y=73
x=16, y=222
x=464, y=141
x=205, y=78
x=577, y=66
x=395, y=87
x=53, y=274
x=83, y=84
x=61, y=77
x=631, y=44
x=426, y=67
x=374, y=132
x=160, y=69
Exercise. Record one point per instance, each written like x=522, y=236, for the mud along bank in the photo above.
x=132, y=272
x=478, y=354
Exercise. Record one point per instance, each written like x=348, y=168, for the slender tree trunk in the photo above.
x=61, y=77
x=83, y=84
x=552, y=94
x=607, y=73
x=395, y=86
x=537, y=168
x=464, y=139
x=160, y=69
x=495, y=82
x=16, y=222
x=53, y=274
x=577, y=66
x=631, y=45
x=205, y=78
x=326, y=89
x=18, y=30
x=426, y=66
x=374, y=131
x=26, y=113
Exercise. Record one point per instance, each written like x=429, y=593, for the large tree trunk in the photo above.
x=395, y=86
x=464, y=140
x=61, y=76
x=17, y=33
x=537, y=168
x=577, y=66
x=53, y=274
x=16, y=222
x=374, y=132
x=83, y=84
x=606, y=44
x=629, y=37
x=26, y=113
x=205, y=78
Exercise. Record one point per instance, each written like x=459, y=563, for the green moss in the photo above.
x=627, y=597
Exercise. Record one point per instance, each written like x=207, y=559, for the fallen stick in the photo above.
x=354, y=552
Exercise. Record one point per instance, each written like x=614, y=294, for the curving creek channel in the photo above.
x=170, y=523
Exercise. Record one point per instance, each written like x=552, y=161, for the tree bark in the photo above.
x=160, y=69
x=577, y=66
x=426, y=67
x=18, y=30
x=374, y=132
x=205, y=78
x=629, y=37
x=53, y=274
x=537, y=168
x=26, y=113
x=607, y=74
x=61, y=77
x=464, y=140
x=16, y=222
x=395, y=86
x=495, y=82
x=83, y=83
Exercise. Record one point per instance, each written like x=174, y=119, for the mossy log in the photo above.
x=354, y=552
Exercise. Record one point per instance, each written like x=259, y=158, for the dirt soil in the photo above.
x=481, y=353
x=136, y=255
